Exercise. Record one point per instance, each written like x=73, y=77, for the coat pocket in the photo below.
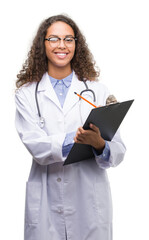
x=33, y=199
x=103, y=202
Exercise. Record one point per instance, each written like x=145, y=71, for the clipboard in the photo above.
x=107, y=119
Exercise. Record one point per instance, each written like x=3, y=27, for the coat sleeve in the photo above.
x=44, y=149
x=117, y=152
x=117, y=147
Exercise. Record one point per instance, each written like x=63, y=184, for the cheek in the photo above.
x=72, y=52
x=47, y=50
x=48, y=54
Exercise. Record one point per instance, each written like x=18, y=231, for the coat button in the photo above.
x=59, y=179
x=60, y=210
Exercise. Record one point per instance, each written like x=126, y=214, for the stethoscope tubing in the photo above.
x=36, y=99
x=42, y=120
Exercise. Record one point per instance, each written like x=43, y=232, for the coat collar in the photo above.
x=66, y=81
x=71, y=99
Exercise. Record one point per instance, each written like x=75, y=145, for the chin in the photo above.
x=61, y=64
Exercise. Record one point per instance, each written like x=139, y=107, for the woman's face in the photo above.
x=59, y=54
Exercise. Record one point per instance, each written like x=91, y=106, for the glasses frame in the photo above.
x=59, y=39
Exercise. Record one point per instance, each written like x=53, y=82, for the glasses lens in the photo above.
x=69, y=41
x=55, y=41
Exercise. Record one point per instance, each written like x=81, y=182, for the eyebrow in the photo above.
x=58, y=36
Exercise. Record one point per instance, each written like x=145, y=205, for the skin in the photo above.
x=91, y=137
x=59, y=67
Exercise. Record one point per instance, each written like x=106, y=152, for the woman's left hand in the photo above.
x=91, y=137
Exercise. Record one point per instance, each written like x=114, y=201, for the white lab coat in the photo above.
x=74, y=198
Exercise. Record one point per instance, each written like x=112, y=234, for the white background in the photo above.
x=117, y=34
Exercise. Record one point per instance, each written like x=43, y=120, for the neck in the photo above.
x=59, y=72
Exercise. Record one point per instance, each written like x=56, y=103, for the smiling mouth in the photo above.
x=61, y=54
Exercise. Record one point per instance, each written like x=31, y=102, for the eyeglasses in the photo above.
x=55, y=41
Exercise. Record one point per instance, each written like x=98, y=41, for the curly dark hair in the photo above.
x=37, y=63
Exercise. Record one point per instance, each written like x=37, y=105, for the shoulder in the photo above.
x=98, y=86
x=25, y=90
x=25, y=96
x=101, y=91
x=28, y=89
x=94, y=84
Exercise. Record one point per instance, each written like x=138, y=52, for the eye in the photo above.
x=53, y=39
x=69, y=39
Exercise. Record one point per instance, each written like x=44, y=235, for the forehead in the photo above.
x=60, y=29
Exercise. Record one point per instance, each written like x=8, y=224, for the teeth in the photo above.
x=61, y=54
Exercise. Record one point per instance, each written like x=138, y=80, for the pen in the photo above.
x=85, y=99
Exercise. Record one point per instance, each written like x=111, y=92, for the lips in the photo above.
x=61, y=55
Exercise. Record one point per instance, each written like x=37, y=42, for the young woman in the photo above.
x=64, y=202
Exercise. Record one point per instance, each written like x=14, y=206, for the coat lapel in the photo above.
x=71, y=98
x=46, y=86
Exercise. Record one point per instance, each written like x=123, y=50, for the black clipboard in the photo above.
x=107, y=119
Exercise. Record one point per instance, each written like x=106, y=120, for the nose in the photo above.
x=61, y=44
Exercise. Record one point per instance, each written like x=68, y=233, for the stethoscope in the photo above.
x=41, y=119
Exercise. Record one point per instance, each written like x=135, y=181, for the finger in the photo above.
x=81, y=130
x=78, y=132
x=78, y=140
x=94, y=128
x=79, y=135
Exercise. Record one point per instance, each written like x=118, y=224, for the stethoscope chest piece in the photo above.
x=41, y=122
